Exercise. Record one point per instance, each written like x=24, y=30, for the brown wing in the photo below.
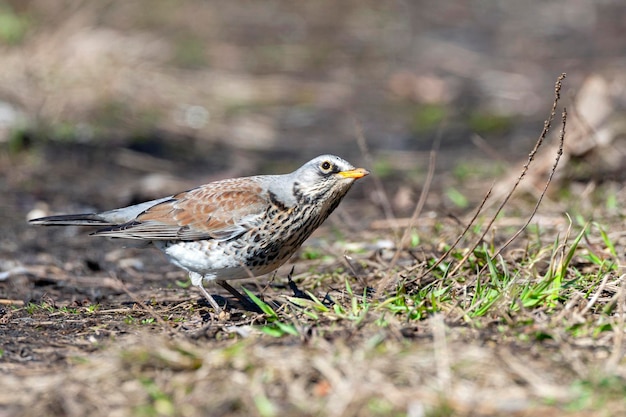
x=219, y=210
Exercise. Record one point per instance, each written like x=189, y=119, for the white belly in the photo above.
x=211, y=260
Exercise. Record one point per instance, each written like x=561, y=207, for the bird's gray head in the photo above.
x=326, y=177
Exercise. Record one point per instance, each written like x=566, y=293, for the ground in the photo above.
x=392, y=307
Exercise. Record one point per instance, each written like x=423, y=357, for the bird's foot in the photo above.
x=297, y=292
x=246, y=303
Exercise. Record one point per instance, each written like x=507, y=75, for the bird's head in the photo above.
x=326, y=178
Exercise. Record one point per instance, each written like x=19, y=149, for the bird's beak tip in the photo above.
x=354, y=173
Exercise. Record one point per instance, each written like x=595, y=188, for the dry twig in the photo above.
x=140, y=303
x=458, y=239
x=545, y=188
x=380, y=189
x=384, y=283
x=546, y=128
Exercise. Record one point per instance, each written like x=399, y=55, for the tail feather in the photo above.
x=87, y=219
x=106, y=218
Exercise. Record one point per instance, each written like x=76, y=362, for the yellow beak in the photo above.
x=354, y=173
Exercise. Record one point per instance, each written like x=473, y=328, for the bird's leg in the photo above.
x=211, y=300
x=247, y=303
x=297, y=292
x=196, y=280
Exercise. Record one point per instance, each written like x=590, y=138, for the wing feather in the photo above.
x=220, y=210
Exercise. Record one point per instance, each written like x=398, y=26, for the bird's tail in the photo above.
x=87, y=219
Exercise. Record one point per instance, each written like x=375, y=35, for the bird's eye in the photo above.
x=326, y=166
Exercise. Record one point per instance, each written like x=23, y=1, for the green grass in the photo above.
x=274, y=326
x=486, y=292
x=543, y=318
x=13, y=26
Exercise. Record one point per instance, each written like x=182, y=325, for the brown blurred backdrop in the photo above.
x=201, y=89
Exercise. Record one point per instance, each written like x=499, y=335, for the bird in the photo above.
x=232, y=228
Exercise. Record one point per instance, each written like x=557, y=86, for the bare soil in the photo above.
x=106, y=104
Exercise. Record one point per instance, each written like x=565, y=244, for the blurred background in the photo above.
x=110, y=102
x=106, y=103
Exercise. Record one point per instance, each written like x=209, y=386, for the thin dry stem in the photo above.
x=140, y=303
x=458, y=239
x=546, y=128
x=432, y=162
x=618, y=339
x=596, y=295
x=482, y=144
x=380, y=189
x=545, y=188
x=442, y=354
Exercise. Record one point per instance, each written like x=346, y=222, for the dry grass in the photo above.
x=536, y=328
x=536, y=331
x=512, y=343
x=519, y=311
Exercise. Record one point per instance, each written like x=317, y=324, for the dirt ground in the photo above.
x=112, y=103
